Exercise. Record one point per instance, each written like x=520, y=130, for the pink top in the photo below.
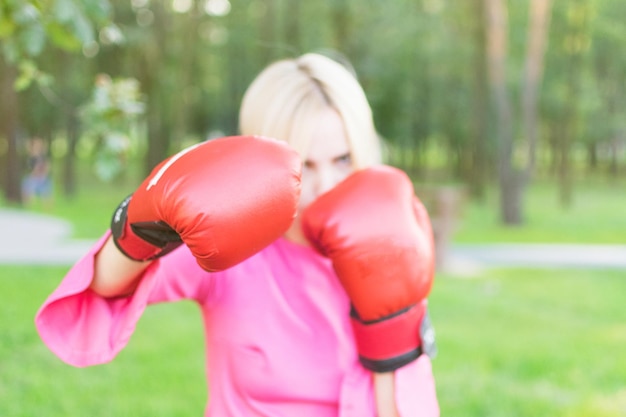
x=277, y=329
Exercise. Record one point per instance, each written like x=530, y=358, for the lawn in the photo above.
x=511, y=343
x=161, y=373
x=596, y=215
x=531, y=343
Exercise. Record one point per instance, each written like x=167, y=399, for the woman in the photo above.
x=277, y=317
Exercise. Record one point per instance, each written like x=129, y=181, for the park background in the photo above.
x=508, y=115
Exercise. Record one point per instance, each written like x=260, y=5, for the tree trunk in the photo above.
x=478, y=129
x=158, y=116
x=158, y=131
x=570, y=115
x=592, y=156
x=340, y=19
x=509, y=180
x=564, y=140
x=292, y=31
x=533, y=69
x=9, y=125
x=69, y=166
x=267, y=33
x=186, y=70
x=564, y=137
x=614, y=164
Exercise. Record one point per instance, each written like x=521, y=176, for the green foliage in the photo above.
x=110, y=118
x=29, y=73
x=27, y=27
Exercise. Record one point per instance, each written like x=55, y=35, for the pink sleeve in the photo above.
x=84, y=329
x=357, y=394
x=415, y=389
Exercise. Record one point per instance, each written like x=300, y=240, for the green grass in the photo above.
x=596, y=216
x=531, y=343
x=161, y=373
x=511, y=343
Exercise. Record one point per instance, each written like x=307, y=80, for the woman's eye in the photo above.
x=345, y=159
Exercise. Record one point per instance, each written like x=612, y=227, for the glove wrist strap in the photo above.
x=392, y=342
x=126, y=240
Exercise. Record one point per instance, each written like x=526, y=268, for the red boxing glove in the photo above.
x=379, y=238
x=226, y=199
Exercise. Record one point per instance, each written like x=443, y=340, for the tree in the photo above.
x=602, y=92
x=27, y=29
x=477, y=175
x=512, y=178
x=537, y=37
x=110, y=117
x=509, y=180
x=572, y=42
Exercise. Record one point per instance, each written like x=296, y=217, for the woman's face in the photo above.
x=327, y=163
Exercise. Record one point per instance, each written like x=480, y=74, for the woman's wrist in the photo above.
x=115, y=275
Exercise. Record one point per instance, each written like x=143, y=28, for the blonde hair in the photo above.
x=285, y=97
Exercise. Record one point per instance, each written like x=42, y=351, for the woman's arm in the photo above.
x=384, y=393
x=408, y=391
x=115, y=274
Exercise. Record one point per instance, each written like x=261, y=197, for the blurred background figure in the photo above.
x=37, y=184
